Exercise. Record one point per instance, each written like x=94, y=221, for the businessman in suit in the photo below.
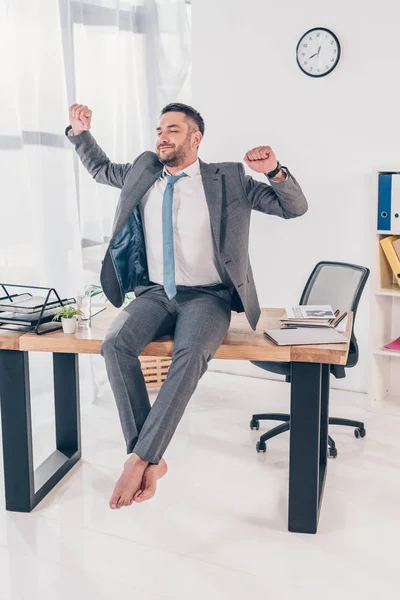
x=180, y=242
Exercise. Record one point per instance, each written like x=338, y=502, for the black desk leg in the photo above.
x=66, y=403
x=16, y=430
x=24, y=486
x=308, y=444
x=325, y=386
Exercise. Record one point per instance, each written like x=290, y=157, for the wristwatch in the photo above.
x=275, y=172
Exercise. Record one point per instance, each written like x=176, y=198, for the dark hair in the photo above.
x=189, y=111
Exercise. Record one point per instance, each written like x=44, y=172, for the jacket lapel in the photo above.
x=138, y=183
x=137, y=186
x=213, y=190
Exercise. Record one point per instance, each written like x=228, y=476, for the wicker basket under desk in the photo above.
x=155, y=369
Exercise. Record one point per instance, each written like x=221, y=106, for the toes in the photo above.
x=127, y=487
x=138, y=493
x=114, y=502
x=121, y=502
x=140, y=497
x=145, y=495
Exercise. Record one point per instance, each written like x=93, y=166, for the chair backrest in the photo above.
x=341, y=286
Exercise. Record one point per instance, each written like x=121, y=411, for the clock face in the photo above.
x=318, y=52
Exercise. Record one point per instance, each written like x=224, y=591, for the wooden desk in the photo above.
x=309, y=406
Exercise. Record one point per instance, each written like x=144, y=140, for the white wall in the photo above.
x=334, y=133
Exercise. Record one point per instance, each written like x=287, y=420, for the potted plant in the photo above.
x=68, y=315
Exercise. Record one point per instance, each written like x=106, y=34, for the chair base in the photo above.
x=285, y=426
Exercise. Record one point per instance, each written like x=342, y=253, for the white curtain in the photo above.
x=125, y=60
x=130, y=59
x=39, y=227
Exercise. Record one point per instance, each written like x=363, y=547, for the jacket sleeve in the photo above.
x=284, y=199
x=96, y=161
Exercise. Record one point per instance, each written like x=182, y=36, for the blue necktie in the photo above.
x=168, y=236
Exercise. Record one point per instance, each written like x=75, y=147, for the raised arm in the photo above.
x=283, y=197
x=91, y=155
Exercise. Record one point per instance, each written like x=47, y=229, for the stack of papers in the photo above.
x=314, y=316
x=25, y=303
x=310, y=312
x=25, y=309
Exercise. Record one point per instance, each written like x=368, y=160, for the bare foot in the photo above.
x=149, y=481
x=129, y=482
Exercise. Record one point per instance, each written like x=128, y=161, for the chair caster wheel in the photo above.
x=333, y=452
x=254, y=424
x=360, y=432
x=261, y=447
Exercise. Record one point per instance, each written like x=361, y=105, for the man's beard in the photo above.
x=175, y=157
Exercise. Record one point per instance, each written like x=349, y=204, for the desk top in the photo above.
x=9, y=340
x=240, y=343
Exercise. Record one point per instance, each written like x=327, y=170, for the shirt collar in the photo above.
x=191, y=170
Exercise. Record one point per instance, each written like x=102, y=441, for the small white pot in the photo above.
x=68, y=325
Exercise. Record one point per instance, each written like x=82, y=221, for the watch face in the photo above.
x=318, y=52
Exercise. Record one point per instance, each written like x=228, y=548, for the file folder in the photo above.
x=389, y=201
x=391, y=255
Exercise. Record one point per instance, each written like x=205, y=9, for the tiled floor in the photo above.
x=217, y=528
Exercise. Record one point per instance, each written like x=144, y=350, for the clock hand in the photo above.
x=316, y=54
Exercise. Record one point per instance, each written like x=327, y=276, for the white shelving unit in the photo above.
x=385, y=326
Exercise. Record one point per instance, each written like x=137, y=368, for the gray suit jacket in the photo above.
x=230, y=194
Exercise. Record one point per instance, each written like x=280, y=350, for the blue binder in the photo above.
x=389, y=201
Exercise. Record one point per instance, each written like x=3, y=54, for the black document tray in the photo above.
x=26, y=312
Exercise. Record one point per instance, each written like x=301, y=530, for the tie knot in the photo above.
x=172, y=179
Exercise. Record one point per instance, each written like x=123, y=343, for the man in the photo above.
x=180, y=242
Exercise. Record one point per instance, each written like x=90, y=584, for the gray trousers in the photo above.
x=198, y=318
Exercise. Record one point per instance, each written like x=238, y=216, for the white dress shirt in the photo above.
x=195, y=261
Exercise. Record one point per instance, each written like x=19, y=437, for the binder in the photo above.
x=396, y=246
x=391, y=255
x=388, y=201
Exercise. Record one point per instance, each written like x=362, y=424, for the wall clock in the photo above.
x=318, y=52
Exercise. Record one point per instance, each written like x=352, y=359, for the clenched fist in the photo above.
x=80, y=117
x=261, y=159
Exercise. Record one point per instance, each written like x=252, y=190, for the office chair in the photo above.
x=340, y=285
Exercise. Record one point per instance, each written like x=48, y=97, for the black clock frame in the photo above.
x=302, y=38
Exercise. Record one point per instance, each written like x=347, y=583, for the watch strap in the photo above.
x=275, y=172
